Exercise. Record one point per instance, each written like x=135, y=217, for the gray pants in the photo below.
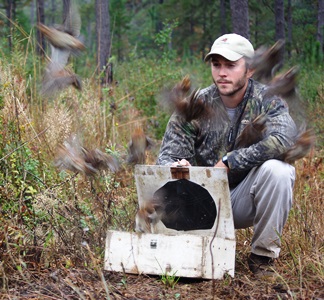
x=263, y=200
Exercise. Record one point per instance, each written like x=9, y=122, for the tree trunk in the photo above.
x=10, y=7
x=280, y=24
x=280, y=19
x=32, y=13
x=222, y=10
x=289, y=28
x=256, y=31
x=89, y=36
x=103, y=41
x=159, y=23
x=192, y=32
x=240, y=17
x=40, y=48
x=53, y=9
x=320, y=23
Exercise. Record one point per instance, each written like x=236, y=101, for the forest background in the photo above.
x=53, y=223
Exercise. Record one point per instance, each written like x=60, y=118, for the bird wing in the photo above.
x=303, y=145
x=252, y=133
x=72, y=20
x=59, y=59
x=185, y=101
x=266, y=61
x=284, y=84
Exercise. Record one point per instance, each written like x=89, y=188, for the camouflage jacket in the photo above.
x=204, y=141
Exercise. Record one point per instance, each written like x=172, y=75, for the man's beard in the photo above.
x=239, y=85
x=236, y=88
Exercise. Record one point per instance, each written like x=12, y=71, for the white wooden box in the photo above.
x=206, y=253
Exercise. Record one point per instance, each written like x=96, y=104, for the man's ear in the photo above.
x=250, y=72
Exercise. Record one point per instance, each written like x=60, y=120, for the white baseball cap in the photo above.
x=231, y=46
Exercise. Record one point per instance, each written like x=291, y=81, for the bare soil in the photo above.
x=82, y=283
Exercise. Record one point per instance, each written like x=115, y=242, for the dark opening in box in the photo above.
x=185, y=205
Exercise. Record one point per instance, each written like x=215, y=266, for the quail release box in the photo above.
x=195, y=236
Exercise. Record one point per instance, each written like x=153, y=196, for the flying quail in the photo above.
x=63, y=41
x=266, y=61
x=74, y=157
x=65, y=36
x=137, y=147
x=62, y=38
x=284, y=85
x=252, y=132
x=57, y=76
x=303, y=145
x=185, y=102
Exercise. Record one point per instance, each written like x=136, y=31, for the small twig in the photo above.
x=75, y=288
x=28, y=121
x=14, y=150
x=21, y=29
x=211, y=250
x=37, y=178
x=99, y=272
x=63, y=182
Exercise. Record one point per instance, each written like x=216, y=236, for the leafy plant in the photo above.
x=164, y=40
x=167, y=278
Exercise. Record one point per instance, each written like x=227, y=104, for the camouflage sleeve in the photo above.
x=280, y=135
x=178, y=142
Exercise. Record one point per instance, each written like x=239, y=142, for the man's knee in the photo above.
x=278, y=170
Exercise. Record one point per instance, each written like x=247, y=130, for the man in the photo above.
x=260, y=184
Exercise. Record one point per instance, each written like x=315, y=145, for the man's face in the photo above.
x=230, y=77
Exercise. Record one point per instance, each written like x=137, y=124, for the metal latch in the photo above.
x=153, y=244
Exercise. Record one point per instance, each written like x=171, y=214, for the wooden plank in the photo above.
x=157, y=254
x=219, y=259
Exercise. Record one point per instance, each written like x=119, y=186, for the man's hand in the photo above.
x=183, y=163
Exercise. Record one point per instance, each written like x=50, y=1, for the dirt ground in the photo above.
x=76, y=283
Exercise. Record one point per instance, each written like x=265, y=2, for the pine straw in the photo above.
x=85, y=283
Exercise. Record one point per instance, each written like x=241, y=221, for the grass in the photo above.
x=53, y=223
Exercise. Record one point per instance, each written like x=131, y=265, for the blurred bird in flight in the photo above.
x=252, y=133
x=137, y=147
x=72, y=156
x=303, y=145
x=63, y=41
x=266, y=61
x=284, y=85
x=185, y=101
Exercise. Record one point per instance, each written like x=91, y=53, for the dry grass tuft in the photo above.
x=59, y=124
